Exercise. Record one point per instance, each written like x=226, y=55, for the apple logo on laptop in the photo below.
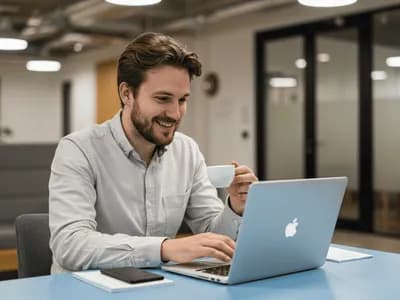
x=291, y=228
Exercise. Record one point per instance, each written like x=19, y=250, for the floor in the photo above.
x=386, y=210
x=7, y=275
x=366, y=240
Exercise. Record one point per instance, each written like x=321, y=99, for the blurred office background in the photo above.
x=289, y=90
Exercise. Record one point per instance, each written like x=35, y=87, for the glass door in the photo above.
x=284, y=108
x=337, y=112
x=314, y=108
x=386, y=99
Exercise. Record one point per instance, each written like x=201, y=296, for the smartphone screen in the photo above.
x=131, y=274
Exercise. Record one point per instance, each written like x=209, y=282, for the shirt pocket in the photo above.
x=174, y=208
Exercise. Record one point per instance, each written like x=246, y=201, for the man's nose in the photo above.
x=174, y=111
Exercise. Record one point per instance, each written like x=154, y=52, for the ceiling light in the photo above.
x=323, y=57
x=12, y=44
x=282, y=82
x=393, y=61
x=378, y=75
x=300, y=63
x=43, y=65
x=326, y=3
x=78, y=47
x=133, y=2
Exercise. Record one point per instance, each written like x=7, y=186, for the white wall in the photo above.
x=230, y=112
x=30, y=103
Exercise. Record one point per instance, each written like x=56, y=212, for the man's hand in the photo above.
x=186, y=249
x=239, y=187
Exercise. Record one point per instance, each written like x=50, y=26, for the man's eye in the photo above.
x=163, y=99
x=182, y=100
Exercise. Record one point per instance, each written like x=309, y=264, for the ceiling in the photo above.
x=65, y=27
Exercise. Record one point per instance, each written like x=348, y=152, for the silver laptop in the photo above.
x=287, y=227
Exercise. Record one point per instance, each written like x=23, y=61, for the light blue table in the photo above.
x=373, y=278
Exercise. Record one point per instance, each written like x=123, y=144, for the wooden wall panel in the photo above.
x=107, y=92
x=8, y=259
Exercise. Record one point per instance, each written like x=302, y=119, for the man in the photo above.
x=120, y=190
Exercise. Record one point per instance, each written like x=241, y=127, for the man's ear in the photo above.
x=123, y=91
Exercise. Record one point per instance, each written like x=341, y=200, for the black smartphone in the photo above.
x=131, y=275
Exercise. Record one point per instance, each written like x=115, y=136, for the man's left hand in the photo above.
x=239, y=187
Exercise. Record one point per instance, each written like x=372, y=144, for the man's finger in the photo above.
x=217, y=236
x=235, y=163
x=242, y=170
x=244, y=178
x=243, y=188
x=221, y=242
x=221, y=246
x=212, y=252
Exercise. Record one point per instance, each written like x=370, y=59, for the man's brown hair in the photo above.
x=150, y=50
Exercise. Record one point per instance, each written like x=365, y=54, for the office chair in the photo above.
x=34, y=254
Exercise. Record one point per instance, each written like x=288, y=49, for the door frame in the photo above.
x=363, y=24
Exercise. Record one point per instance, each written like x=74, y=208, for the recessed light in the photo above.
x=393, y=61
x=282, y=82
x=12, y=44
x=323, y=57
x=43, y=65
x=78, y=47
x=378, y=75
x=133, y=2
x=326, y=3
x=300, y=63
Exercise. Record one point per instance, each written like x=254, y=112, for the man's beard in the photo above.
x=145, y=127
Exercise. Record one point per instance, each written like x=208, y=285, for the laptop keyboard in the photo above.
x=222, y=270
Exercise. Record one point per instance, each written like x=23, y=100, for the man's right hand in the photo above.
x=183, y=250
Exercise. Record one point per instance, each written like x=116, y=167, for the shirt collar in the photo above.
x=119, y=134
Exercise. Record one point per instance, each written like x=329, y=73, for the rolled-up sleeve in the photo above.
x=74, y=241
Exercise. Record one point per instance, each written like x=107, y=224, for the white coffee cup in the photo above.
x=221, y=176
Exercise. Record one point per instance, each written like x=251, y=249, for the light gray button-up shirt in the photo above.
x=107, y=209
